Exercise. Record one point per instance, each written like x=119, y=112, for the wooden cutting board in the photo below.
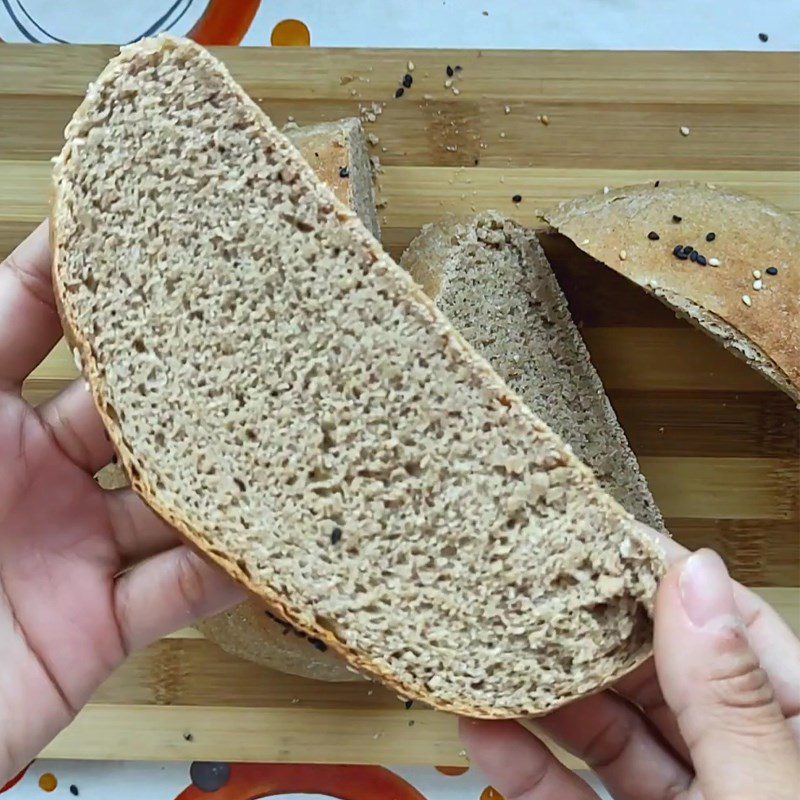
x=718, y=444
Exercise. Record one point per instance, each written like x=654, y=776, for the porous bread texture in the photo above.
x=337, y=152
x=268, y=375
x=492, y=279
x=749, y=235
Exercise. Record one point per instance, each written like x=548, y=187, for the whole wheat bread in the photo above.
x=730, y=292
x=491, y=278
x=286, y=396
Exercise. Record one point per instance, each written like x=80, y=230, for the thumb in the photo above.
x=711, y=678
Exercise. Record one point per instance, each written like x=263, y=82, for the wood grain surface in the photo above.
x=719, y=445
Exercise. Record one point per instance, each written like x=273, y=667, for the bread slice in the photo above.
x=733, y=297
x=286, y=396
x=491, y=278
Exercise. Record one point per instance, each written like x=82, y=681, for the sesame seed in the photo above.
x=336, y=535
x=408, y=704
x=400, y=91
x=758, y=284
x=319, y=644
x=653, y=236
x=456, y=90
x=653, y=283
x=688, y=250
x=344, y=172
x=676, y=218
x=701, y=260
x=73, y=790
x=693, y=255
x=585, y=241
x=545, y=119
x=657, y=184
x=623, y=255
x=606, y=190
x=685, y=131
x=448, y=83
x=756, y=273
x=458, y=67
x=677, y=250
x=407, y=80
x=449, y=71
x=746, y=300
x=517, y=198
x=410, y=66
x=713, y=262
x=772, y=270
x=710, y=236
x=507, y=109
x=763, y=37
x=711, y=185
x=502, y=134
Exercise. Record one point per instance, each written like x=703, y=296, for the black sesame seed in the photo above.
x=763, y=37
x=407, y=81
x=344, y=172
x=336, y=535
x=320, y=645
x=676, y=218
x=772, y=270
x=693, y=255
x=710, y=236
x=400, y=91
x=449, y=71
x=188, y=737
x=517, y=198
x=657, y=184
x=701, y=260
x=458, y=68
x=688, y=250
x=677, y=250
x=653, y=236
x=73, y=790
x=408, y=704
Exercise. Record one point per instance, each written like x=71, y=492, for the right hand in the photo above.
x=715, y=716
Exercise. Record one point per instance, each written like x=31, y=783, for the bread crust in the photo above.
x=423, y=308
x=759, y=325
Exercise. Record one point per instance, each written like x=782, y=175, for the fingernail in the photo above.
x=706, y=589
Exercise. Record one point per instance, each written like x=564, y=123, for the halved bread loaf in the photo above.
x=724, y=261
x=491, y=278
x=285, y=395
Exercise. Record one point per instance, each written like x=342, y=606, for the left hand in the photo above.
x=86, y=576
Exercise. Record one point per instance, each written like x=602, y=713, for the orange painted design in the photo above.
x=14, y=781
x=224, y=22
x=48, y=782
x=452, y=770
x=490, y=793
x=290, y=33
x=254, y=781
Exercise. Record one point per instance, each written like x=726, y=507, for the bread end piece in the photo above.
x=730, y=292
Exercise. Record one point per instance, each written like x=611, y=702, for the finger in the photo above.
x=617, y=743
x=167, y=592
x=76, y=426
x=774, y=642
x=641, y=687
x=711, y=678
x=518, y=764
x=138, y=532
x=29, y=323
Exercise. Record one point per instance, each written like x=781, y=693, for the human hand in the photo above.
x=86, y=576
x=715, y=716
